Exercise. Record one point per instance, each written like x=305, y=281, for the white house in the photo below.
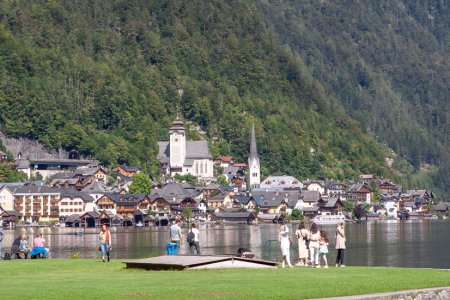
x=7, y=197
x=315, y=185
x=391, y=206
x=75, y=202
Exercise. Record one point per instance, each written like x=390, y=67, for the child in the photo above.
x=23, y=247
x=323, y=247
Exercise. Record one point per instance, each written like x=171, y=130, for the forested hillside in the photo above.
x=388, y=63
x=107, y=77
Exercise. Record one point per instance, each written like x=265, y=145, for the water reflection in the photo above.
x=403, y=244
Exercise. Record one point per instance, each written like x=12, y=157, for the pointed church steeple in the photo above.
x=253, y=149
x=253, y=162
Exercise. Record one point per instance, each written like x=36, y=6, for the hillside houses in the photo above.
x=81, y=197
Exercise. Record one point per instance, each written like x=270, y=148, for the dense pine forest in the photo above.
x=388, y=64
x=107, y=77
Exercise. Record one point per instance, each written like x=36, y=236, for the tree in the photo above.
x=222, y=181
x=7, y=174
x=297, y=214
x=349, y=206
x=187, y=214
x=141, y=184
x=359, y=212
x=191, y=179
x=376, y=193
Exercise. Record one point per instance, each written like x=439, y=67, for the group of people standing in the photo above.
x=176, y=237
x=312, y=246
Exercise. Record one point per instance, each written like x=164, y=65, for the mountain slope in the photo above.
x=387, y=62
x=106, y=78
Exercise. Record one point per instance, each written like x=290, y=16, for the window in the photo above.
x=254, y=174
x=176, y=140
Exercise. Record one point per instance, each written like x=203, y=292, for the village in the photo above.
x=79, y=192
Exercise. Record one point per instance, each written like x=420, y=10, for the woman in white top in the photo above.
x=285, y=240
x=314, y=236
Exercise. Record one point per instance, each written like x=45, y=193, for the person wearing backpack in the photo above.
x=192, y=239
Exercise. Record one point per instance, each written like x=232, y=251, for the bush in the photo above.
x=296, y=215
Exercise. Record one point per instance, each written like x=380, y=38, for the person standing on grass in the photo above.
x=302, y=237
x=2, y=235
x=105, y=242
x=176, y=235
x=194, y=245
x=323, y=248
x=314, y=236
x=340, y=244
x=285, y=240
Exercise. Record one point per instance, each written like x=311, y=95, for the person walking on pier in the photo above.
x=285, y=240
x=340, y=245
x=105, y=242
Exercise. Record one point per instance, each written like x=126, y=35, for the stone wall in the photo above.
x=442, y=293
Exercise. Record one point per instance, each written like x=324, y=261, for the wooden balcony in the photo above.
x=18, y=207
x=121, y=210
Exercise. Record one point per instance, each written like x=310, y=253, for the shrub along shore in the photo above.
x=93, y=279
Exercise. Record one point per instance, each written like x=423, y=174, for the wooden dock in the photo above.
x=184, y=262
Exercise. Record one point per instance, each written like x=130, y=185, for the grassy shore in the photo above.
x=91, y=279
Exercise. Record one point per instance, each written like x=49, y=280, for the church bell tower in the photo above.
x=253, y=163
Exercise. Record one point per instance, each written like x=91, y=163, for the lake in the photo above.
x=383, y=243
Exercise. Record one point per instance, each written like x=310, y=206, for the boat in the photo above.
x=139, y=224
x=329, y=219
x=59, y=225
x=79, y=232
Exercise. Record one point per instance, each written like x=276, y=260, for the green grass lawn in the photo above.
x=92, y=279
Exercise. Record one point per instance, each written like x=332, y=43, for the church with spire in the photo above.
x=178, y=156
x=253, y=163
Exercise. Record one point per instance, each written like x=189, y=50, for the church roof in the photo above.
x=172, y=191
x=194, y=150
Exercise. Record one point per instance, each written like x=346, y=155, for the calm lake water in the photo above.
x=394, y=244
